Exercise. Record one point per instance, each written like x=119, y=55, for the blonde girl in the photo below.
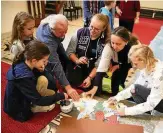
x=85, y=49
x=147, y=91
x=22, y=31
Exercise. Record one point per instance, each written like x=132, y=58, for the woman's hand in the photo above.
x=112, y=101
x=87, y=82
x=121, y=111
x=119, y=11
x=82, y=60
x=114, y=68
x=136, y=20
x=92, y=91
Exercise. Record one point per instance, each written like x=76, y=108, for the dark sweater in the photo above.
x=128, y=9
x=21, y=93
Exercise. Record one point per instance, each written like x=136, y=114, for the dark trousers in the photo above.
x=98, y=81
x=77, y=74
x=128, y=24
x=63, y=56
x=51, y=81
x=118, y=78
x=141, y=94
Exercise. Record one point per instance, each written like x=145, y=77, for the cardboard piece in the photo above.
x=112, y=120
x=72, y=125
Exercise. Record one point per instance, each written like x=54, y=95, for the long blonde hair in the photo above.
x=145, y=54
x=107, y=32
x=20, y=20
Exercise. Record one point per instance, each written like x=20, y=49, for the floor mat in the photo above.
x=147, y=29
x=34, y=125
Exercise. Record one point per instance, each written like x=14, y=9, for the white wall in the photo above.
x=11, y=8
x=152, y=4
x=8, y=11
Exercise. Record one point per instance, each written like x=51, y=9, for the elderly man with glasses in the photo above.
x=52, y=31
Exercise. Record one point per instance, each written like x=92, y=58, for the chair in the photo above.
x=69, y=9
x=78, y=8
x=53, y=7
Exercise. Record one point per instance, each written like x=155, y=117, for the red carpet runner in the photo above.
x=147, y=29
x=38, y=122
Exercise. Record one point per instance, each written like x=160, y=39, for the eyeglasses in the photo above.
x=95, y=29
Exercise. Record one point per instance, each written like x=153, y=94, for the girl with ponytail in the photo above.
x=25, y=92
x=115, y=54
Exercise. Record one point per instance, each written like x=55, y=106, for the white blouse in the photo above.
x=154, y=81
x=16, y=47
x=107, y=54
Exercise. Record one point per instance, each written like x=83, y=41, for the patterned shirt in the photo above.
x=154, y=81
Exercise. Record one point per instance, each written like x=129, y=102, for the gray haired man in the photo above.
x=51, y=31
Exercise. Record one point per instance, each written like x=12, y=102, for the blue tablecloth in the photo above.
x=157, y=45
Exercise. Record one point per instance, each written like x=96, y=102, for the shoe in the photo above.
x=37, y=108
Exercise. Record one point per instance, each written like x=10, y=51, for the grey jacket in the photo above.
x=44, y=34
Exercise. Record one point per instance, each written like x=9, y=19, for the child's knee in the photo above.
x=42, y=80
x=42, y=84
x=49, y=92
x=135, y=90
x=138, y=89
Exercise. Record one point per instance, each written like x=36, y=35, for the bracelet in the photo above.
x=90, y=77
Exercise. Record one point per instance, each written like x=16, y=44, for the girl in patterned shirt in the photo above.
x=147, y=91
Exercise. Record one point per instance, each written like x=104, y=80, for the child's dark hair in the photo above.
x=125, y=35
x=33, y=50
x=20, y=20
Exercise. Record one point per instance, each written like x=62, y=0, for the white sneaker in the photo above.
x=37, y=108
